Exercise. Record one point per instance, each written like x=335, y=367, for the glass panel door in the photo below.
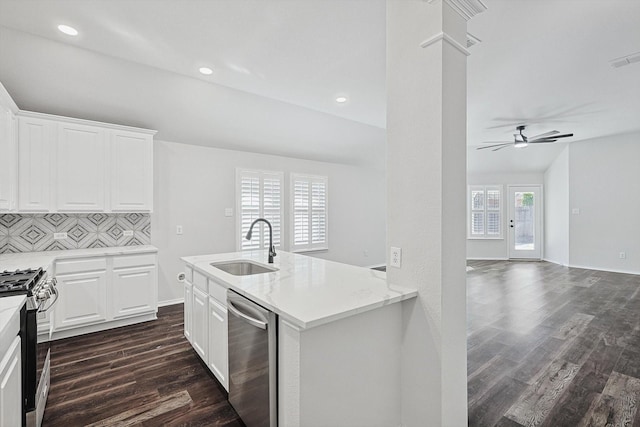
x=525, y=222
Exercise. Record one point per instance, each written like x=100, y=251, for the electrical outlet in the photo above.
x=228, y=212
x=178, y=229
x=127, y=233
x=623, y=255
x=395, y=258
x=59, y=236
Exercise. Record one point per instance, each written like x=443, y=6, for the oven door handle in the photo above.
x=54, y=293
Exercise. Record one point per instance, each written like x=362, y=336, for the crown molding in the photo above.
x=447, y=38
x=465, y=8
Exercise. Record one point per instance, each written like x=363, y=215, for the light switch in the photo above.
x=178, y=229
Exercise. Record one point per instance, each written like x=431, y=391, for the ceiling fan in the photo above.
x=521, y=141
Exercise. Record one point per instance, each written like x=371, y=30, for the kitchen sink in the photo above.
x=242, y=268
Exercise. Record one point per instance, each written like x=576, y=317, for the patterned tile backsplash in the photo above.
x=34, y=233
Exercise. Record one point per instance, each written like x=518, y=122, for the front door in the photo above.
x=525, y=222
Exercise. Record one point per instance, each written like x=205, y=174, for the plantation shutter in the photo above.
x=485, y=212
x=309, y=212
x=260, y=196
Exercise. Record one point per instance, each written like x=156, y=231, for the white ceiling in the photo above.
x=279, y=64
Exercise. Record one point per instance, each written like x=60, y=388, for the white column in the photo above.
x=426, y=202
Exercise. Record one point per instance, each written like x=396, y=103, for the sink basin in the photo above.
x=242, y=268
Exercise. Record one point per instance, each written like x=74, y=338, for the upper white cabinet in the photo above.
x=73, y=165
x=8, y=147
x=81, y=167
x=131, y=171
x=35, y=149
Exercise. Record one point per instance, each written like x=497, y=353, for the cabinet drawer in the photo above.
x=79, y=265
x=217, y=291
x=200, y=281
x=140, y=260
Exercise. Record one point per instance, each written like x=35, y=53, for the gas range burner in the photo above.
x=19, y=282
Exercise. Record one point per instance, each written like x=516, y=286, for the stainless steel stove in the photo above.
x=41, y=295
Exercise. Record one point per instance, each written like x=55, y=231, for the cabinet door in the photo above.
x=218, y=345
x=11, y=386
x=83, y=299
x=131, y=171
x=81, y=157
x=188, y=310
x=134, y=291
x=8, y=177
x=199, y=323
x=34, y=164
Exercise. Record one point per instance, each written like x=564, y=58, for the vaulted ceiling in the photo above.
x=278, y=66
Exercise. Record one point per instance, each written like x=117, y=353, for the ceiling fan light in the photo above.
x=520, y=144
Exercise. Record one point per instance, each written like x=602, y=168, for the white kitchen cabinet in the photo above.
x=83, y=299
x=131, y=171
x=218, y=342
x=134, y=288
x=188, y=310
x=8, y=148
x=199, y=325
x=81, y=168
x=103, y=292
x=35, y=149
x=11, y=385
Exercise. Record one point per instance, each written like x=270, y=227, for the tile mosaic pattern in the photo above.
x=34, y=233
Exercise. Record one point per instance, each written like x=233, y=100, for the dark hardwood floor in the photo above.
x=142, y=375
x=552, y=346
x=547, y=346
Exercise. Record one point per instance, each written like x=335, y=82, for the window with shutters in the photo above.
x=309, y=213
x=485, y=212
x=259, y=196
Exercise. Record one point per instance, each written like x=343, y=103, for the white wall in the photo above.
x=498, y=248
x=604, y=183
x=193, y=186
x=556, y=210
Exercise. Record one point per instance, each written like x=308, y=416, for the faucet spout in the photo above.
x=272, y=248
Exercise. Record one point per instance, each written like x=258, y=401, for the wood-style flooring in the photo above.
x=552, y=346
x=142, y=375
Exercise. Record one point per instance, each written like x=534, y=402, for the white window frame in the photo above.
x=485, y=210
x=261, y=228
x=293, y=247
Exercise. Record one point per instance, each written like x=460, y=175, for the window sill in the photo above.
x=299, y=251
x=485, y=238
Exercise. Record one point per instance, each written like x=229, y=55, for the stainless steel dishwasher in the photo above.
x=253, y=352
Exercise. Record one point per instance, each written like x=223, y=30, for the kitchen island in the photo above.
x=339, y=334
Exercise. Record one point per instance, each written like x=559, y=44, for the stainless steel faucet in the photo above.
x=272, y=249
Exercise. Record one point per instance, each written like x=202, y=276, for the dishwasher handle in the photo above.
x=254, y=322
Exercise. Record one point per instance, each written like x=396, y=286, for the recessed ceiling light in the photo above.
x=70, y=31
x=341, y=99
x=206, y=71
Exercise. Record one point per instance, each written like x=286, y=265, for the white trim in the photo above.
x=6, y=100
x=487, y=259
x=446, y=37
x=608, y=270
x=375, y=266
x=465, y=8
x=171, y=302
x=63, y=119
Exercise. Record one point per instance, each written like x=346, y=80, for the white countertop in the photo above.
x=306, y=291
x=9, y=320
x=47, y=258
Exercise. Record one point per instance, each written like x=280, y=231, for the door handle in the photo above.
x=254, y=322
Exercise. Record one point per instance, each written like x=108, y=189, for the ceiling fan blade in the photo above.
x=552, y=132
x=497, y=142
x=497, y=145
x=500, y=148
x=565, y=135
x=542, y=141
x=551, y=137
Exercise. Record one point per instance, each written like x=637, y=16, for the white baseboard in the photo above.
x=555, y=262
x=487, y=259
x=170, y=302
x=608, y=270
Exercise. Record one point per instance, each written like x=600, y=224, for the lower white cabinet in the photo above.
x=205, y=323
x=218, y=341
x=83, y=299
x=199, y=323
x=103, y=292
x=11, y=385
